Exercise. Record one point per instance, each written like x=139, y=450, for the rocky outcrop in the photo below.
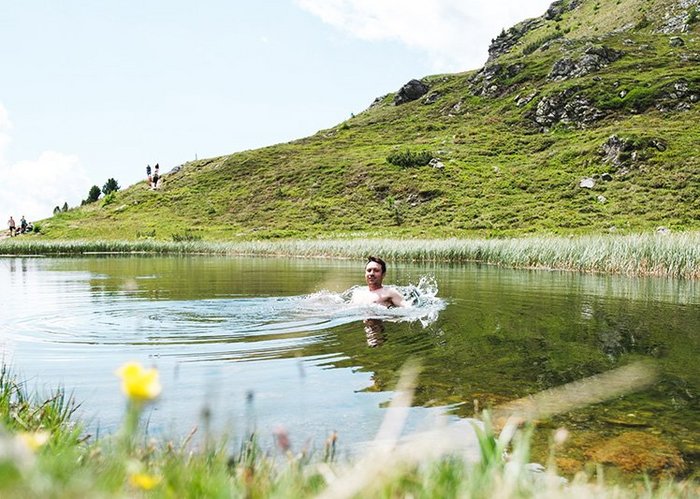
x=507, y=39
x=681, y=95
x=432, y=98
x=676, y=41
x=568, y=107
x=622, y=153
x=492, y=79
x=414, y=89
x=594, y=58
x=522, y=100
x=612, y=150
x=378, y=101
x=677, y=16
x=558, y=7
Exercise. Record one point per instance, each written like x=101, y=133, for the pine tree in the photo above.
x=93, y=195
x=110, y=186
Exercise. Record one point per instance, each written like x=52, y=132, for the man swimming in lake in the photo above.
x=376, y=293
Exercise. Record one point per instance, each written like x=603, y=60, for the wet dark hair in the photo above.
x=378, y=260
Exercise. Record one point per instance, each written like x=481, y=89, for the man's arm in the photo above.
x=396, y=299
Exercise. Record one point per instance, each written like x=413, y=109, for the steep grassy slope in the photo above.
x=514, y=139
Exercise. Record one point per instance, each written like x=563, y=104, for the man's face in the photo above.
x=373, y=274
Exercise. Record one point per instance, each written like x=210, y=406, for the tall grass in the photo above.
x=673, y=255
x=26, y=413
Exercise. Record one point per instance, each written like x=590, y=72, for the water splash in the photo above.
x=423, y=304
x=423, y=299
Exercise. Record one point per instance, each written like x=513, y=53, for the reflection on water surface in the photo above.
x=220, y=329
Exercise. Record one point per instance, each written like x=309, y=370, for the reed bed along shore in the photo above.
x=672, y=255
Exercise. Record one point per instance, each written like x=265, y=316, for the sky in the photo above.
x=97, y=90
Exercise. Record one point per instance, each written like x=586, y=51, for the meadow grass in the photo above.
x=42, y=455
x=503, y=172
x=672, y=255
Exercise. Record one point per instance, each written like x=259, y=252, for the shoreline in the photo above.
x=675, y=255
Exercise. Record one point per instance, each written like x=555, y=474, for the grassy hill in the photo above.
x=601, y=90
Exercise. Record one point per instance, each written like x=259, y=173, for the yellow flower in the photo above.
x=139, y=384
x=34, y=440
x=144, y=481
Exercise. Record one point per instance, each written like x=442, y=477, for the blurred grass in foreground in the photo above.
x=44, y=454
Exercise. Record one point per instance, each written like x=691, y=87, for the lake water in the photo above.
x=262, y=343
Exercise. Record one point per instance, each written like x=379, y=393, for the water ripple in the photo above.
x=240, y=329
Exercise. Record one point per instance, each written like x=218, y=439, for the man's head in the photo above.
x=378, y=260
x=374, y=272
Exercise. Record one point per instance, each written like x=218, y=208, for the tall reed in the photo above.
x=673, y=255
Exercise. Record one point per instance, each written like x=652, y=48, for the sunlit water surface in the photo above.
x=268, y=343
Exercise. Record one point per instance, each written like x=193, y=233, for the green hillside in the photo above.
x=584, y=120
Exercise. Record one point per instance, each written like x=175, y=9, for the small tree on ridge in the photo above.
x=110, y=186
x=93, y=195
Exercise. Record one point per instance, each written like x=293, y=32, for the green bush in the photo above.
x=638, y=99
x=108, y=199
x=186, y=236
x=641, y=98
x=409, y=158
x=146, y=234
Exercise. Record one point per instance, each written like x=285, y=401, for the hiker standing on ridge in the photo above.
x=11, y=225
x=156, y=176
x=148, y=174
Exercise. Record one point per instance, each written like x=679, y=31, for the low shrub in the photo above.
x=408, y=158
x=186, y=236
x=637, y=99
x=108, y=199
x=693, y=16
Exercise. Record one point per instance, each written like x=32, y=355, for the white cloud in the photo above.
x=34, y=187
x=454, y=34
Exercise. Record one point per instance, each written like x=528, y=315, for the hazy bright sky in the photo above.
x=96, y=89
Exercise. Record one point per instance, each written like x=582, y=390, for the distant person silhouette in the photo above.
x=12, y=226
x=156, y=177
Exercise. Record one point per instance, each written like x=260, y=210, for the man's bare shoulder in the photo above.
x=392, y=297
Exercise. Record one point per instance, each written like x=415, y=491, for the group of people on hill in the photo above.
x=154, y=178
x=24, y=226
